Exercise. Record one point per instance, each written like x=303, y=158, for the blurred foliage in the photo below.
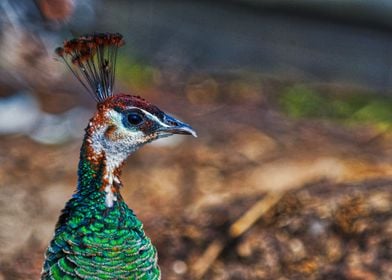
x=134, y=72
x=302, y=102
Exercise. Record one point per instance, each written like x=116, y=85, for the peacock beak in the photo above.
x=174, y=126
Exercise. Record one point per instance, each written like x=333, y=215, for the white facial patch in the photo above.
x=117, y=142
x=115, y=150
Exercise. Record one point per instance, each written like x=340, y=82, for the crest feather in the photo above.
x=92, y=60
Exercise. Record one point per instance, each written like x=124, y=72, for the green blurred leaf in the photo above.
x=133, y=72
x=302, y=102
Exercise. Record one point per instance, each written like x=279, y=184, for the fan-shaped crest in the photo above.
x=92, y=59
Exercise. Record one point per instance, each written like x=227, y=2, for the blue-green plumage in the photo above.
x=97, y=236
x=93, y=241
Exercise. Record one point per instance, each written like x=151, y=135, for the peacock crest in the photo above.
x=92, y=60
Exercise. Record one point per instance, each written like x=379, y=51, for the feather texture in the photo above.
x=97, y=236
x=93, y=241
x=92, y=59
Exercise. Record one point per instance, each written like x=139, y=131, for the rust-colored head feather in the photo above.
x=92, y=59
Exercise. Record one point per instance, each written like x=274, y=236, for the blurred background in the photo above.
x=291, y=176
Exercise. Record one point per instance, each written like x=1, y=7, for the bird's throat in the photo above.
x=96, y=175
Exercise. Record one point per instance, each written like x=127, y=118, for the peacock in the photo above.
x=97, y=236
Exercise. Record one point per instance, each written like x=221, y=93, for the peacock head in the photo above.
x=122, y=123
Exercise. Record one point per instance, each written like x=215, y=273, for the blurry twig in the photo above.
x=208, y=258
x=254, y=213
x=236, y=229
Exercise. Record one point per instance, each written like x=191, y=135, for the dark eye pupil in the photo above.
x=134, y=118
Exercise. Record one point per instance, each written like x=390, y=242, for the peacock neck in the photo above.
x=97, y=177
x=97, y=239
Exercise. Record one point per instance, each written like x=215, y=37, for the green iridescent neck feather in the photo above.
x=93, y=241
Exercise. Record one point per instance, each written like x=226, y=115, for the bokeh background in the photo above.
x=291, y=176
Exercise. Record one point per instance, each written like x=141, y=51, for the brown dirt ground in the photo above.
x=333, y=221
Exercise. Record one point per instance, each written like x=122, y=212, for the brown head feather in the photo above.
x=92, y=59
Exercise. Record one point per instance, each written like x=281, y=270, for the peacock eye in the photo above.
x=134, y=118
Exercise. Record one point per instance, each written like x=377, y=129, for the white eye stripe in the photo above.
x=151, y=116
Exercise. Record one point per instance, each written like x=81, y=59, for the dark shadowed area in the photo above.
x=291, y=175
